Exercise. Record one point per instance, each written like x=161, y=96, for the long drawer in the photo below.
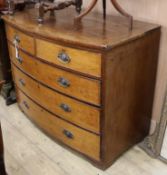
x=79, y=139
x=83, y=61
x=24, y=41
x=81, y=114
x=80, y=87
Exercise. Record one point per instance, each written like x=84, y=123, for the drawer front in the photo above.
x=82, y=88
x=83, y=115
x=77, y=138
x=24, y=41
x=75, y=59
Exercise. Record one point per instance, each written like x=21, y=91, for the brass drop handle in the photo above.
x=68, y=134
x=65, y=107
x=26, y=104
x=22, y=82
x=63, y=57
x=16, y=42
x=16, y=39
x=63, y=82
x=19, y=59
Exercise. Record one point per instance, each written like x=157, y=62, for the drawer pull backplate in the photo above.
x=22, y=82
x=19, y=59
x=63, y=57
x=16, y=39
x=26, y=105
x=68, y=134
x=65, y=107
x=16, y=42
x=63, y=82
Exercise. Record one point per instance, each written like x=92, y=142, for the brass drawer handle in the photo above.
x=22, y=82
x=63, y=82
x=26, y=105
x=16, y=42
x=65, y=107
x=68, y=134
x=19, y=59
x=63, y=57
x=16, y=39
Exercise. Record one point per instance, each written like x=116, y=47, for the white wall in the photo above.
x=152, y=11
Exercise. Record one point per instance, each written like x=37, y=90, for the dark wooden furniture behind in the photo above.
x=5, y=73
x=89, y=85
x=6, y=83
x=2, y=4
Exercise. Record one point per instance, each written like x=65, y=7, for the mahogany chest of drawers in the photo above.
x=89, y=85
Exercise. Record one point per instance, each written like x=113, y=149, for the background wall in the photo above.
x=154, y=11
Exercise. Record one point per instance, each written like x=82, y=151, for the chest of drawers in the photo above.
x=88, y=85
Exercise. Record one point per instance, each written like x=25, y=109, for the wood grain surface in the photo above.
x=80, y=87
x=82, y=141
x=85, y=61
x=81, y=114
x=124, y=91
x=128, y=99
x=152, y=12
x=92, y=33
x=26, y=42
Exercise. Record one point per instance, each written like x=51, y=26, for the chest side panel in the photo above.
x=129, y=81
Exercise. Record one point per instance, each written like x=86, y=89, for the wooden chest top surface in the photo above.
x=92, y=32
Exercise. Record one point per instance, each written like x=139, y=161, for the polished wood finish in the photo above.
x=116, y=6
x=83, y=141
x=25, y=42
x=81, y=35
x=2, y=4
x=81, y=114
x=85, y=61
x=51, y=6
x=90, y=7
x=128, y=109
x=113, y=77
x=80, y=87
x=123, y=12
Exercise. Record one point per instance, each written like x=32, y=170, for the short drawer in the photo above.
x=24, y=41
x=80, y=87
x=81, y=114
x=79, y=139
x=75, y=59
